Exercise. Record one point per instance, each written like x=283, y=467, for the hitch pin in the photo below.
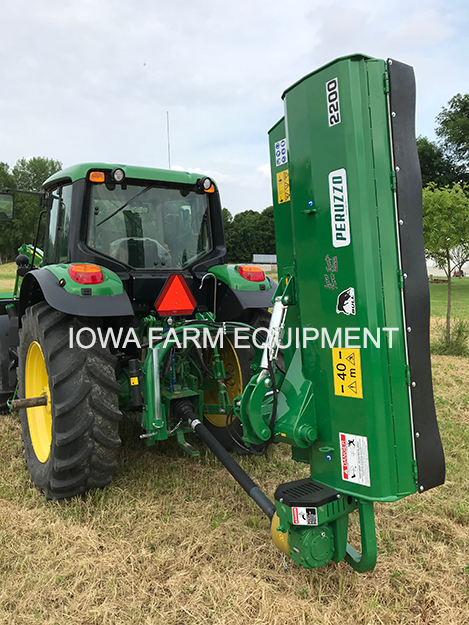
x=30, y=402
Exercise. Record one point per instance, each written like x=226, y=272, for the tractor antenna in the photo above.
x=169, y=144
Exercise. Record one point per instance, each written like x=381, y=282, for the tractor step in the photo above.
x=305, y=493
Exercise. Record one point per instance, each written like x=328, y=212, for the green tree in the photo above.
x=436, y=166
x=445, y=228
x=453, y=127
x=227, y=217
x=267, y=231
x=242, y=238
x=460, y=257
x=27, y=175
x=248, y=233
x=7, y=180
x=30, y=174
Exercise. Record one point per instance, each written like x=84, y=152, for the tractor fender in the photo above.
x=237, y=297
x=86, y=301
x=237, y=305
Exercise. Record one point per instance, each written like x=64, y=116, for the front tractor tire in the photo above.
x=70, y=443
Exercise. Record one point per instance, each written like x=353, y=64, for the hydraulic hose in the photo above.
x=183, y=409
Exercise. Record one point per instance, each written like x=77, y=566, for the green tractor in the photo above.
x=132, y=309
x=127, y=251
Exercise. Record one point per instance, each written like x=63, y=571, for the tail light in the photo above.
x=86, y=274
x=251, y=273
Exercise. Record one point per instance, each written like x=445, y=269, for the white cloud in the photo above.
x=88, y=80
x=216, y=175
x=422, y=28
x=264, y=170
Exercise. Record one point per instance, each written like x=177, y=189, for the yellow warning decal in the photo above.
x=347, y=372
x=283, y=186
x=134, y=381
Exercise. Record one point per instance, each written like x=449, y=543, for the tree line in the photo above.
x=445, y=178
x=27, y=175
x=248, y=233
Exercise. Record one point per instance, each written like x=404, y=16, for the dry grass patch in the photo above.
x=7, y=285
x=174, y=540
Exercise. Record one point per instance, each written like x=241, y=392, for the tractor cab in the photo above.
x=142, y=224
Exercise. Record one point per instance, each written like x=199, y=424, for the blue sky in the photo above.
x=93, y=79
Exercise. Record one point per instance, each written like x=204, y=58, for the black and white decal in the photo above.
x=339, y=208
x=333, y=106
x=346, y=302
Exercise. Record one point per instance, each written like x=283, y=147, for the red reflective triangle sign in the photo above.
x=175, y=298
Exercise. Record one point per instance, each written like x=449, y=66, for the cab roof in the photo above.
x=77, y=172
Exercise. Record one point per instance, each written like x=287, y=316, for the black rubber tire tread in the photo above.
x=85, y=409
x=5, y=391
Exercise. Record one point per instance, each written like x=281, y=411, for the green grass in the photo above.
x=459, y=298
x=438, y=297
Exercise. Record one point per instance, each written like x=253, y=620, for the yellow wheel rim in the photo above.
x=234, y=382
x=36, y=383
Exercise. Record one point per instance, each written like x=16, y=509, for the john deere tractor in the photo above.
x=127, y=250
x=130, y=308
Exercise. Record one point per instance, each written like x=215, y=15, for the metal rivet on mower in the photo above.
x=409, y=329
x=421, y=488
x=414, y=384
x=417, y=434
x=398, y=168
x=401, y=222
x=393, y=114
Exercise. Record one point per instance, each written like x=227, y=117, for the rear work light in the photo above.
x=206, y=184
x=118, y=174
x=251, y=273
x=86, y=274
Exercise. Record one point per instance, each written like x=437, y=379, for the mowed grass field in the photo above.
x=7, y=277
x=459, y=298
x=174, y=540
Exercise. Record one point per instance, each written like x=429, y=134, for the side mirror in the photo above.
x=6, y=206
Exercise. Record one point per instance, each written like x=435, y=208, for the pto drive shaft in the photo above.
x=183, y=409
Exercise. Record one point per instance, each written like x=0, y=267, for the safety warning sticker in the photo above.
x=281, y=154
x=283, y=186
x=347, y=372
x=305, y=516
x=354, y=459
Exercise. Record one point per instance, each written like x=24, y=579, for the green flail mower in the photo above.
x=129, y=307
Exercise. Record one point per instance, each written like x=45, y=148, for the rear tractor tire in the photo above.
x=7, y=388
x=237, y=367
x=70, y=443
